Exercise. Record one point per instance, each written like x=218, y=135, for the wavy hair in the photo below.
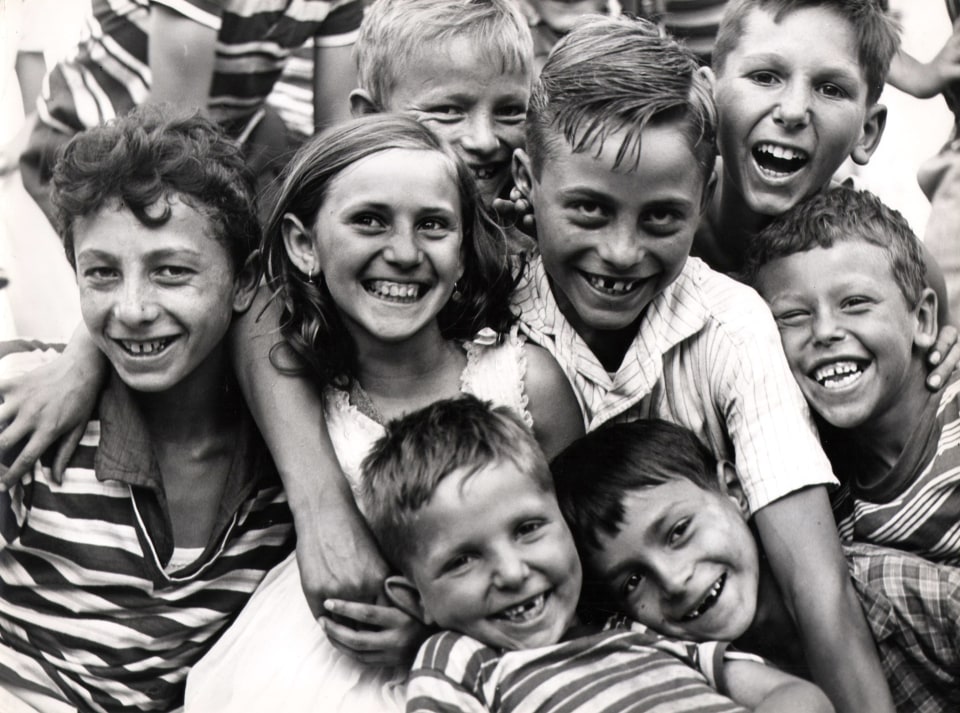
x=310, y=323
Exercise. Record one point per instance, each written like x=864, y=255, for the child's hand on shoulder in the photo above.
x=374, y=634
x=943, y=357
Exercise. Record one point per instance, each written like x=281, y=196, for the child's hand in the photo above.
x=515, y=211
x=54, y=400
x=374, y=634
x=943, y=357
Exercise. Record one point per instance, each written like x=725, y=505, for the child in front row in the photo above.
x=843, y=275
x=115, y=581
x=460, y=497
x=664, y=533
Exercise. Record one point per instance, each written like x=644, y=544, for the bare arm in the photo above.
x=334, y=77
x=765, y=689
x=337, y=555
x=51, y=402
x=800, y=540
x=927, y=79
x=557, y=420
x=181, y=56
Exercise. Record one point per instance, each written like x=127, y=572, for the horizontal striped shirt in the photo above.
x=707, y=356
x=109, y=72
x=916, y=505
x=92, y=610
x=607, y=671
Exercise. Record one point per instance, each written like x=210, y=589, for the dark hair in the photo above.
x=403, y=469
x=311, y=323
x=156, y=154
x=619, y=74
x=842, y=214
x=877, y=34
x=594, y=473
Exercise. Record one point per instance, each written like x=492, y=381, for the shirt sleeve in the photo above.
x=203, y=12
x=774, y=440
x=445, y=675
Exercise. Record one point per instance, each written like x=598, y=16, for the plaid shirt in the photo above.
x=912, y=607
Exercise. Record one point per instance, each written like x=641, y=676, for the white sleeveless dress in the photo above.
x=275, y=656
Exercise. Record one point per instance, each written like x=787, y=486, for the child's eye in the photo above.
x=855, y=302
x=588, y=213
x=173, y=272
x=513, y=113
x=529, y=527
x=100, y=274
x=631, y=583
x=678, y=531
x=368, y=222
x=457, y=563
x=445, y=112
x=662, y=221
x=434, y=227
x=833, y=91
x=792, y=318
x=764, y=78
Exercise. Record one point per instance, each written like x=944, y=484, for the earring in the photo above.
x=456, y=295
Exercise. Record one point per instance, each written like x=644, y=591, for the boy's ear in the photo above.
x=926, y=326
x=299, y=244
x=708, y=190
x=522, y=172
x=730, y=485
x=361, y=103
x=405, y=596
x=246, y=283
x=870, y=133
x=709, y=77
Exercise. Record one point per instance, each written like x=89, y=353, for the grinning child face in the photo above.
x=792, y=103
x=387, y=240
x=848, y=332
x=684, y=562
x=496, y=561
x=157, y=300
x=471, y=101
x=612, y=238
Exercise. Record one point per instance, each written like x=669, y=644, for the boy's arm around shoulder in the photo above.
x=766, y=689
x=557, y=419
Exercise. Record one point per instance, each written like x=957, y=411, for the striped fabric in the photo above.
x=707, y=356
x=916, y=505
x=912, y=607
x=90, y=611
x=608, y=671
x=694, y=22
x=109, y=74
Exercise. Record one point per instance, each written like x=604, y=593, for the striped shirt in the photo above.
x=916, y=505
x=606, y=671
x=109, y=72
x=707, y=356
x=912, y=608
x=92, y=611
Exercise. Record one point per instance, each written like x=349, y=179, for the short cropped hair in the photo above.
x=395, y=34
x=405, y=466
x=842, y=214
x=154, y=154
x=594, y=473
x=619, y=74
x=877, y=33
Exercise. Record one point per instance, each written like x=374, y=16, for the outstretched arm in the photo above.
x=337, y=555
x=54, y=401
x=927, y=79
x=766, y=689
x=800, y=539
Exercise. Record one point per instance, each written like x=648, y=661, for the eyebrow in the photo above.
x=614, y=573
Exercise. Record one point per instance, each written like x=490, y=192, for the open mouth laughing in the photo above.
x=524, y=611
x=779, y=161
x=709, y=599
x=611, y=285
x=838, y=374
x=145, y=348
x=400, y=292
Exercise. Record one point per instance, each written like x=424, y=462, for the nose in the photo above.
x=825, y=327
x=793, y=109
x=510, y=569
x=135, y=304
x=673, y=573
x=403, y=249
x=621, y=248
x=480, y=136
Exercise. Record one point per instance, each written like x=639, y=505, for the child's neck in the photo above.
x=734, y=225
x=884, y=437
x=401, y=377
x=772, y=634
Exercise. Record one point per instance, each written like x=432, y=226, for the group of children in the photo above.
x=696, y=511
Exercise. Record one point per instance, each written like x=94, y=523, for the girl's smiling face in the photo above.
x=387, y=241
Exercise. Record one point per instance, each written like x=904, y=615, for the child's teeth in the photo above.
x=838, y=374
x=145, y=348
x=708, y=600
x=612, y=285
x=394, y=290
x=522, y=610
